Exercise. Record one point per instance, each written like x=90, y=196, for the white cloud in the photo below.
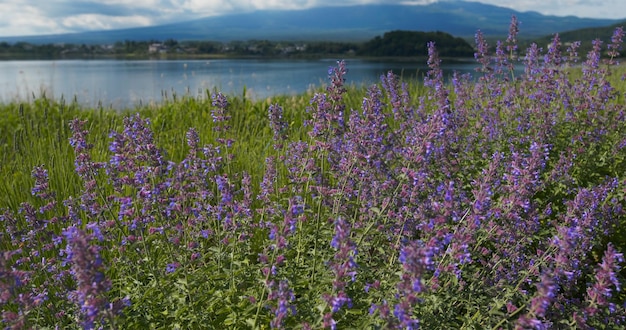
x=227, y=6
x=20, y=19
x=418, y=2
x=583, y=8
x=136, y=3
x=103, y=22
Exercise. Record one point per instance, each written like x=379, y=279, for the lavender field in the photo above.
x=495, y=201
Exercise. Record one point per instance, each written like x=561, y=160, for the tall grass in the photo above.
x=494, y=201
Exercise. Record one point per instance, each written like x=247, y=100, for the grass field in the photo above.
x=488, y=202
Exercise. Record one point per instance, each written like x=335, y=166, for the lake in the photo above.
x=126, y=83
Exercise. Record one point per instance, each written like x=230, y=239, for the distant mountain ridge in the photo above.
x=349, y=23
x=603, y=33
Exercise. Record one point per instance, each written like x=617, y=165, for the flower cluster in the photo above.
x=87, y=269
x=494, y=202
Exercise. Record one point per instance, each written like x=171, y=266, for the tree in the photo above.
x=414, y=43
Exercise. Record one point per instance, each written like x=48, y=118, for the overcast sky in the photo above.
x=31, y=17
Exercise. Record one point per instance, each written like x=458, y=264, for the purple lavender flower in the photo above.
x=435, y=74
x=390, y=85
x=277, y=124
x=398, y=97
x=586, y=217
x=482, y=52
x=171, y=267
x=593, y=56
x=269, y=178
x=95, y=231
x=417, y=259
x=546, y=292
x=343, y=263
x=531, y=61
x=336, y=302
x=319, y=110
x=511, y=39
x=299, y=163
x=616, y=45
x=224, y=209
x=220, y=112
x=600, y=293
x=501, y=59
x=85, y=167
x=327, y=110
x=329, y=321
x=133, y=151
x=42, y=187
x=193, y=141
x=336, y=75
x=572, y=51
x=284, y=297
x=553, y=57
x=294, y=213
x=87, y=269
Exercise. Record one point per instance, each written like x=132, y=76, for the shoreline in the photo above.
x=173, y=57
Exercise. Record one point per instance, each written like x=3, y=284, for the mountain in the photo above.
x=603, y=33
x=348, y=23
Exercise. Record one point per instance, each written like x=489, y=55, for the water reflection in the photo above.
x=121, y=83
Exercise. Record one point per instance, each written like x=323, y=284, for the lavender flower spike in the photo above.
x=599, y=294
x=87, y=269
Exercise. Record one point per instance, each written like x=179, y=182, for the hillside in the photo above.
x=349, y=23
x=584, y=35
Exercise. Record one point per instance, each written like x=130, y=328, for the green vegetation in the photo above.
x=410, y=43
x=38, y=132
x=490, y=203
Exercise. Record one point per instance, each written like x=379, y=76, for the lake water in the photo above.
x=127, y=83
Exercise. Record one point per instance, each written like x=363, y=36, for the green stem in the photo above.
x=232, y=272
x=317, y=230
x=260, y=302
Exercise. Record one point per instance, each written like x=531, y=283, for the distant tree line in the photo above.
x=391, y=44
x=24, y=49
x=412, y=43
x=394, y=43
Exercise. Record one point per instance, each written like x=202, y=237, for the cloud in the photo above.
x=582, y=8
x=22, y=19
x=28, y=17
x=229, y=6
x=86, y=22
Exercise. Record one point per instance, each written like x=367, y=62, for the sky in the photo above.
x=34, y=17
